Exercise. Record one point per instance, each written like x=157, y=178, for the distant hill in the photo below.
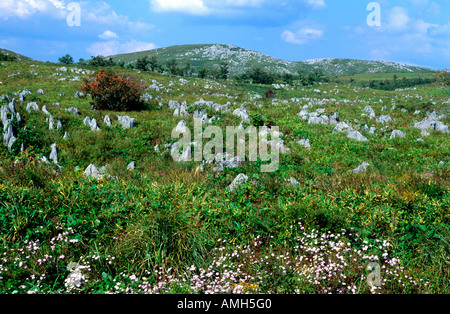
x=240, y=60
x=18, y=56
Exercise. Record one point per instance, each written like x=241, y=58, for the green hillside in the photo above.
x=241, y=60
x=18, y=56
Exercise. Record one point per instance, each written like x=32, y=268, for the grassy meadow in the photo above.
x=169, y=227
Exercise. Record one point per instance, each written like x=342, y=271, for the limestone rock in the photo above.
x=73, y=111
x=355, y=135
x=397, y=133
x=54, y=154
x=126, y=122
x=32, y=106
x=361, y=168
x=107, y=121
x=237, y=182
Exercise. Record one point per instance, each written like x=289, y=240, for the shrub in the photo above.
x=111, y=91
x=67, y=59
x=7, y=57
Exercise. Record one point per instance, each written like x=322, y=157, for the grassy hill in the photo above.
x=240, y=60
x=312, y=226
x=18, y=56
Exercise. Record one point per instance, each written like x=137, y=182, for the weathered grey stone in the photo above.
x=181, y=127
x=40, y=91
x=126, y=122
x=32, y=106
x=237, y=182
x=384, y=119
x=94, y=172
x=24, y=94
x=51, y=123
x=9, y=133
x=79, y=94
x=343, y=127
x=131, y=166
x=54, y=154
x=293, y=181
x=107, y=121
x=45, y=111
x=87, y=121
x=73, y=111
x=361, y=168
x=397, y=133
x=12, y=107
x=430, y=124
x=305, y=143
x=355, y=135
x=368, y=111
x=173, y=104
x=334, y=119
x=66, y=136
x=304, y=114
x=242, y=113
x=93, y=125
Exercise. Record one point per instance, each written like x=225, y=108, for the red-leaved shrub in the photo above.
x=111, y=91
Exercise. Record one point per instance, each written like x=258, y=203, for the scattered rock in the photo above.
x=126, y=122
x=73, y=111
x=131, y=166
x=384, y=119
x=397, y=133
x=242, y=113
x=305, y=143
x=368, y=111
x=87, y=121
x=181, y=127
x=32, y=106
x=107, y=121
x=45, y=111
x=343, y=127
x=237, y=182
x=293, y=181
x=361, y=168
x=355, y=135
x=93, y=171
x=54, y=154
x=93, y=125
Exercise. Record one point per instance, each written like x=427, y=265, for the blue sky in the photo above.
x=415, y=32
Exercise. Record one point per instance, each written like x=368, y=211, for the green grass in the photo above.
x=165, y=222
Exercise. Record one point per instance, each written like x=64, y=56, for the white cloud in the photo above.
x=196, y=7
x=114, y=47
x=244, y=3
x=398, y=19
x=302, y=36
x=26, y=8
x=316, y=4
x=108, y=35
x=221, y=7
